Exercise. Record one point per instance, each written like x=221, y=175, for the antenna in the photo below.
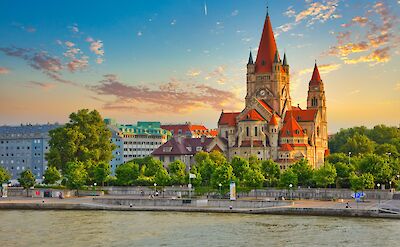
x=267, y=8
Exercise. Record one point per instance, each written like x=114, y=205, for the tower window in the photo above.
x=263, y=62
x=247, y=131
x=317, y=131
x=255, y=131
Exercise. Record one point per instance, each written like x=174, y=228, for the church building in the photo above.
x=269, y=126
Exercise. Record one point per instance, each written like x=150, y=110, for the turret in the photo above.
x=277, y=62
x=316, y=93
x=250, y=65
x=285, y=64
x=273, y=133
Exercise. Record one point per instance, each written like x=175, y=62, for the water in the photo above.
x=107, y=228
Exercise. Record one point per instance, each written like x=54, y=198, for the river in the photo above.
x=107, y=228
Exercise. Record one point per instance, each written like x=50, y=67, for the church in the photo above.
x=269, y=126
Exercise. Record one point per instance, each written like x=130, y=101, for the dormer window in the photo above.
x=263, y=62
x=297, y=132
x=189, y=149
x=287, y=132
x=167, y=149
x=198, y=149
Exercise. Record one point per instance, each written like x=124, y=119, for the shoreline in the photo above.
x=280, y=210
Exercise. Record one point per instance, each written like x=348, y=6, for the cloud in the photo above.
x=322, y=68
x=235, y=12
x=397, y=86
x=96, y=46
x=193, y=72
x=42, y=85
x=139, y=33
x=318, y=11
x=377, y=56
x=361, y=20
x=78, y=63
x=74, y=28
x=357, y=91
x=173, y=22
x=28, y=29
x=174, y=96
x=218, y=75
x=4, y=70
x=290, y=12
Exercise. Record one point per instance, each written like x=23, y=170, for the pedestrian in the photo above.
x=347, y=205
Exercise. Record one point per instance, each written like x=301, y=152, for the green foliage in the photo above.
x=195, y=181
x=360, y=183
x=343, y=171
x=217, y=157
x=101, y=172
x=177, y=170
x=51, y=175
x=340, y=138
x=75, y=175
x=382, y=134
x=358, y=144
x=386, y=149
x=152, y=166
x=5, y=176
x=338, y=157
x=206, y=169
x=325, y=175
x=271, y=172
x=375, y=165
x=127, y=173
x=145, y=181
x=162, y=177
x=240, y=166
x=253, y=178
x=288, y=177
x=26, y=179
x=200, y=157
x=303, y=171
x=254, y=162
x=85, y=138
x=222, y=174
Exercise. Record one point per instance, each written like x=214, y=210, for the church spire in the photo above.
x=284, y=60
x=316, y=78
x=266, y=49
x=250, y=59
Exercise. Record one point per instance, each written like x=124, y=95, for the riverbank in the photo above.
x=304, y=207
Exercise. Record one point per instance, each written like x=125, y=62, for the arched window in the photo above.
x=317, y=131
x=314, y=101
x=255, y=131
x=247, y=131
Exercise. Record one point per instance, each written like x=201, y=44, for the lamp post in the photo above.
x=155, y=188
x=220, y=194
x=379, y=195
x=349, y=157
x=94, y=189
x=290, y=191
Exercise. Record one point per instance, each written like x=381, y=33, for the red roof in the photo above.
x=273, y=120
x=266, y=49
x=213, y=132
x=316, y=78
x=252, y=115
x=291, y=127
x=286, y=147
x=307, y=115
x=265, y=105
x=228, y=118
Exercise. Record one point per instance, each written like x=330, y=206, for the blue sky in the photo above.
x=174, y=61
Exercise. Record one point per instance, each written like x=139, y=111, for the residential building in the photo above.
x=269, y=127
x=189, y=130
x=135, y=141
x=24, y=147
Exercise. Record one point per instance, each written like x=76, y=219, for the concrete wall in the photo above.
x=39, y=192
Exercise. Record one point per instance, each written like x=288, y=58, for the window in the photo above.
x=317, y=131
x=167, y=149
x=199, y=149
x=189, y=148
x=247, y=131
x=255, y=131
x=226, y=134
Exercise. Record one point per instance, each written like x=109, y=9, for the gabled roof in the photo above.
x=307, y=115
x=265, y=105
x=316, y=78
x=267, y=49
x=176, y=147
x=285, y=147
x=291, y=127
x=228, y=118
x=252, y=115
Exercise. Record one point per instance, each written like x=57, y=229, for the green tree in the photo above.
x=26, y=180
x=288, y=177
x=162, y=178
x=340, y=138
x=127, y=173
x=360, y=183
x=271, y=172
x=223, y=175
x=343, y=171
x=358, y=144
x=338, y=157
x=195, y=181
x=200, y=157
x=303, y=171
x=377, y=167
x=51, y=175
x=152, y=166
x=325, y=175
x=206, y=169
x=5, y=176
x=177, y=171
x=85, y=138
x=75, y=175
x=253, y=178
x=383, y=134
x=254, y=162
x=101, y=172
x=217, y=157
x=240, y=166
x=387, y=149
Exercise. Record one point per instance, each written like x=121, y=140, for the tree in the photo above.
x=152, y=166
x=75, y=175
x=254, y=162
x=386, y=149
x=358, y=144
x=382, y=134
x=200, y=157
x=271, y=172
x=101, y=172
x=360, y=183
x=26, y=180
x=325, y=175
x=5, y=176
x=223, y=175
x=377, y=167
x=303, y=171
x=162, y=178
x=340, y=138
x=217, y=157
x=206, y=169
x=343, y=171
x=253, y=179
x=288, y=177
x=338, y=157
x=85, y=138
x=195, y=181
x=51, y=175
x=240, y=166
x=127, y=173
x=177, y=170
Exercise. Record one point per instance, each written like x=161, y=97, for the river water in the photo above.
x=107, y=228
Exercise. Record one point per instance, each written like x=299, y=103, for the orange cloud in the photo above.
x=323, y=69
x=377, y=56
x=42, y=85
x=4, y=70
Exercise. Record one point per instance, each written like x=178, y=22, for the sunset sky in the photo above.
x=185, y=60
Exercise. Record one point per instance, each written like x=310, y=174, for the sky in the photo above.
x=185, y=60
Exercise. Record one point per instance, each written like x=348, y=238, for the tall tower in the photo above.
x=268, y=77
x=316, y=100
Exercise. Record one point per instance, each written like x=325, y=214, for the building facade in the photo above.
x=135, y=141
x=269, y=127
x=24, y=147
x=189, y=130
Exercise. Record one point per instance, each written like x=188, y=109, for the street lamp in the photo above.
x=379, y=195
x=349, y=157
x=94, y=189
x=290, y=191
x=220, y=194
x=155, y=188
